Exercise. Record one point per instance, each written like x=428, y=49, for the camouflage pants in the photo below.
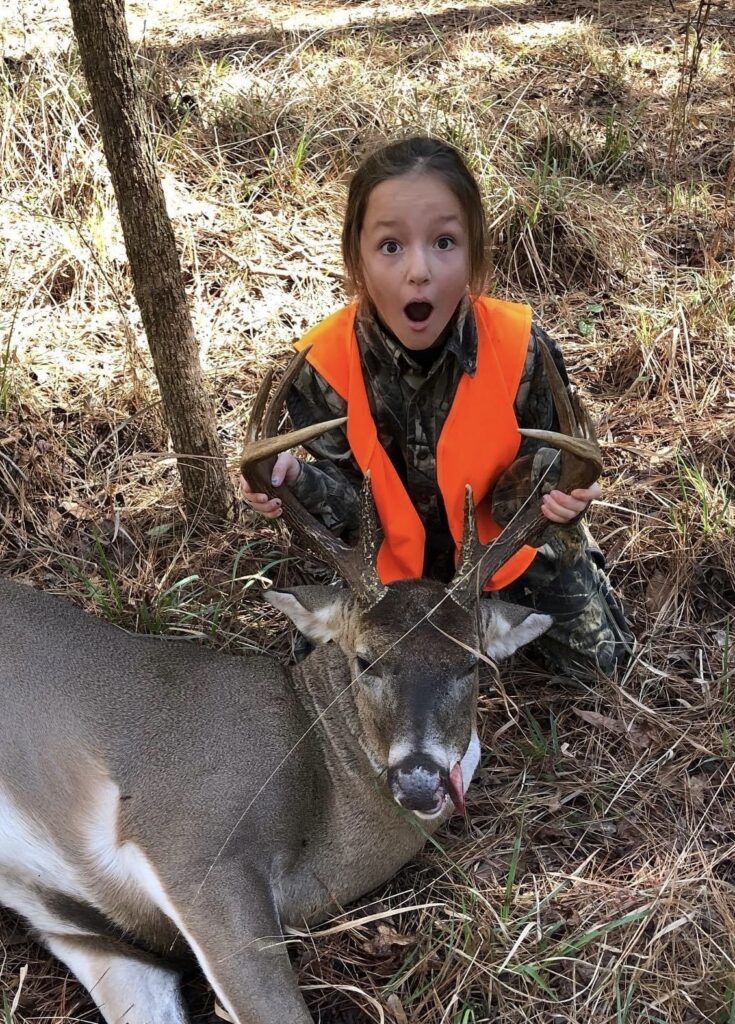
x=567, y=581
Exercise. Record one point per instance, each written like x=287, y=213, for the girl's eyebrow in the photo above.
x=443, y=218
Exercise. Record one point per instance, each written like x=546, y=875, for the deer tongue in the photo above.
x=456, y=788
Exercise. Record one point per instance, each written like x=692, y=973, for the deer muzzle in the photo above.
x=421, y=785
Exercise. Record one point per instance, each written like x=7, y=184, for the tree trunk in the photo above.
x=107, y=59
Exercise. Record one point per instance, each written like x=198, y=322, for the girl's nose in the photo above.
x=418, y=269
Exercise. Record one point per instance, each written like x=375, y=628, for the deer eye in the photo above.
x=365, y=665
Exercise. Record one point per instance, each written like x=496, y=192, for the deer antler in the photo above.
x=356, y=565
x=581, y=464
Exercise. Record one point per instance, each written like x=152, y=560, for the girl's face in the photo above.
x=414, y=256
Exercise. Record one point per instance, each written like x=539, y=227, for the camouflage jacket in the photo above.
x=410, y=394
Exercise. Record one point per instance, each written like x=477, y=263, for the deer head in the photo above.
x=413, y=646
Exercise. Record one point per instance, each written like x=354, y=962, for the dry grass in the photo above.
x=594, y=877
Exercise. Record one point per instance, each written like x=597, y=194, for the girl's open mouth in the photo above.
x=418, y=312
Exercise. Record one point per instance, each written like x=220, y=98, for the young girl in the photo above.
x=414, y=249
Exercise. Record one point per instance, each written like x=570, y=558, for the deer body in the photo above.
x=196, y=799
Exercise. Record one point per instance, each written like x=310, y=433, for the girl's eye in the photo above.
x=389, y=247
x=445, y=243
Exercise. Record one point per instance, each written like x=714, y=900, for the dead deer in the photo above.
x=158, y=795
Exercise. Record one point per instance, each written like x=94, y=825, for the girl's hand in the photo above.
x=562, y=508
x=287, y=469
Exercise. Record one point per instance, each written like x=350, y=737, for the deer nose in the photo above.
x=418, y=784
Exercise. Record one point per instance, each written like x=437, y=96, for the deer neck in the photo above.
x=323, y=685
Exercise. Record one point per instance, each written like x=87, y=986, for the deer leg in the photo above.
x=126, y=988
x=232, y=928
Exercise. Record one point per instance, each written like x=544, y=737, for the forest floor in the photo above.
x=593, y=878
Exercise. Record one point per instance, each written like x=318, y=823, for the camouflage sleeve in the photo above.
x=536, y=464
x=329, y=487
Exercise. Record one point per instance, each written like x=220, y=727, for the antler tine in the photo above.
x=275, y=406
x=263, y=443
x=559, y=393
x=256, y=452
x=581, y=464
x=370, y=587
x=577, y=436
x=577, y=471
x=584, y=421
x=470, y=550
x=256, y=464
x=256, y=413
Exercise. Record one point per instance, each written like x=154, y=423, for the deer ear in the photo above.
x=315, y=611
x=506, y=627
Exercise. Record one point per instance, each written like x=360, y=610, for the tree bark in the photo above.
x=107, y=60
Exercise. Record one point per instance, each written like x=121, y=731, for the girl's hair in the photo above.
x=424, y=155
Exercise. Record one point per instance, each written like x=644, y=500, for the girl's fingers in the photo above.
x=556, y=513
x=560, y=507
x=266, y=504
x=247, y=493
x=570, y=502
x=588, y=494
x=263, y=504
x=281, y=468
x=267, y=511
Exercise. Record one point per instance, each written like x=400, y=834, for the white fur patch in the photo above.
x=125, y=990
x=502, y=637
x=28, y=857
x=400, y=750
x=438, y=753
x=318, y=625
x=470, y=760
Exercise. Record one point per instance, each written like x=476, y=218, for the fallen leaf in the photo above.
x=599, y=721
x=638, y=736
x=697, y=788
x=74, y=509
x=385, y=938
x=393, y=1003
x=658, y=592
x=555, y=802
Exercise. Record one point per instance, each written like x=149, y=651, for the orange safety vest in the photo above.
x=479, y=439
